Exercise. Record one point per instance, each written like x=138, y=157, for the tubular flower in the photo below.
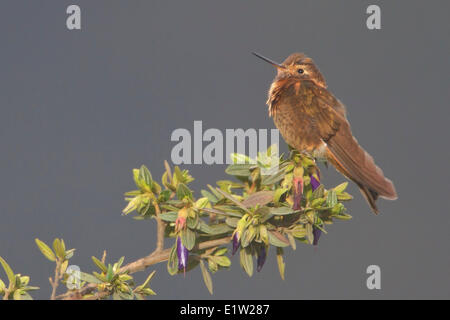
x=180, y=222
x=235, y=243
x=183, y=254
x=315, y=183
x=316, y=233
x=261, y=259
x=298, y=192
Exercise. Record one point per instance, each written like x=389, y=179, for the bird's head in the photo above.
x=298, y=66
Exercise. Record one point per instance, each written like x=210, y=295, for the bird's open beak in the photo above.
x=275, y=64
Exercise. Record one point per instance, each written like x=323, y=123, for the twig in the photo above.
x=55, y=281
x=104, y=257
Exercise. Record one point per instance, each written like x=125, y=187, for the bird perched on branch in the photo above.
x=312, y=120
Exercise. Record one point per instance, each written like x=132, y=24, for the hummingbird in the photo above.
x=313, y=121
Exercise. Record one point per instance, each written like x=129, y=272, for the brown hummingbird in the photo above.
x=312, y=120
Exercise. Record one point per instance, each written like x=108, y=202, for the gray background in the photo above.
x=80, y=109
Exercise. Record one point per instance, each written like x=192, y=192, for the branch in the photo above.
x=161, y=227
x=139, y=265
x=157, y=257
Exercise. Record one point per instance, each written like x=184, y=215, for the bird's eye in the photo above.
x=300, y=71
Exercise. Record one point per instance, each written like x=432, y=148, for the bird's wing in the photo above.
x=321, y=107
x=333, y=128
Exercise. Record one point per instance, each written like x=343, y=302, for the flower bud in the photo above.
x=316, y=233
x=261, y=259
x=180, y=222
x=235, y=243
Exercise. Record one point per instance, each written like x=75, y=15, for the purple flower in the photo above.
x=182, y=254
x=314, y=182
x=261, y=259
x=235, y=243
x=316, y=233
x=298, y=192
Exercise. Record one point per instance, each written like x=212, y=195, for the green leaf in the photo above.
x=212, y=198
x=221, y=251
x=281, y=211
x=8, y=271
x=247, y=261
x=344, y=216
x=99, y=264
x=299, y=231
x=132, y=205
x=59, y=249
x=277, y=239
x=192, y=222
x=280, y=261
x=133, y=193
x=156, y=188
x=124, y=277
x=216, y=211
x=99, y=276
x=17, y=295
x=201, y=203
x=45, y=250
x=109, y=273
x=227, y=185
x=233, y=199
x=278, y=193
x=212, y=265
x=188, y=238
x=247, y=236
x=222, y=261
x=63, y=266
x=340, y=188
x=214, y=229
x=136, y=176
x=69, y=254
x=239, y=158
x=274, y=178
x=206, y=277
x=319, y=192
x=183, y=191
x=239, y=170
x=232, y=222
x=164, y=195
x=344, y=196
x=117, y=265
x=145, y=176
x=214, y=192
x=172, y=263
x=25, y=295
x=89, y=278
x=316, y=203
x=149, y=292
x=169, y=216
x=29, y=288
x=178, y=175
x=147, y=281
x=291, y=241
x=331, y=198
x=309, y=233
x=259, y=198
